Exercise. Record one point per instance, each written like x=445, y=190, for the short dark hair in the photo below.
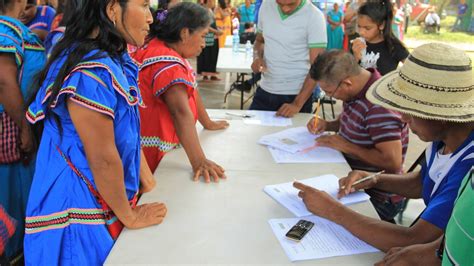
x=333, y=65
x=184, y=15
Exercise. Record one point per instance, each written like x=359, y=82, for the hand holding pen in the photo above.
x=357, y=180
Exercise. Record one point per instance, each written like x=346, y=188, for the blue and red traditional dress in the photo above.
x=65, y=223
x=160, y=69
x=43, y=19
x=16, y=177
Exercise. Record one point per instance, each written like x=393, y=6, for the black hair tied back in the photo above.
x=184, y=15
x=380, y=12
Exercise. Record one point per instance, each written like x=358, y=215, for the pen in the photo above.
x=365, y=178
x=316, y=114
x=239, y=115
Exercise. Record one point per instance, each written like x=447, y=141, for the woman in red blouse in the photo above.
x=169, y=89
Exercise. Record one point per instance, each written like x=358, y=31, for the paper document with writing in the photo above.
x=290, y=140
x=265, y=118
x=313, y=155
x=287, y=195
x=326, y=239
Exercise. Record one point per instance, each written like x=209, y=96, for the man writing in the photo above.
x=371, y=137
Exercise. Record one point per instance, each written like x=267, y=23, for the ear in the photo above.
x=347, y=81
x=382, y=26
x=184, y=34
x=112, y=10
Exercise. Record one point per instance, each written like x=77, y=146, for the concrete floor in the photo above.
x=212, y=93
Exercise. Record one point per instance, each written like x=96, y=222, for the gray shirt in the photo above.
x=288, y=39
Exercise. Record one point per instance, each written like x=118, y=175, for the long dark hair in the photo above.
x=379, y=12
x=67, y=8
x=184, y=15
x=85, y=17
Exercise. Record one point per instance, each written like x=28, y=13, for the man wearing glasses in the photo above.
x=371, y=137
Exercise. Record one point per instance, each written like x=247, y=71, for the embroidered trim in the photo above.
x=437, y=116
x=37, y=224
x=115, y=83
x=83, y=101
x=38, y=25
x=12, y=49
x=174, y=82
x=156, y=142
x=411, y=99
x=34, y=46
x=433, y=87
x=161, y=59
x=34, y=117
x=12, y=26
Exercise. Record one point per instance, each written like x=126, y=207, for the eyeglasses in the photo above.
x=335, y=90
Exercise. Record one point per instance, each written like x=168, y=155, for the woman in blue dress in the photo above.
x=89, y=165
x=21, y=57
x=334, y=28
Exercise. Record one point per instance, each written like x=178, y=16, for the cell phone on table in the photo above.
x=299, y=230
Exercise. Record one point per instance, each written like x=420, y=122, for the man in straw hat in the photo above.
x=371, y=137
x=455, y=247
x=434, y=92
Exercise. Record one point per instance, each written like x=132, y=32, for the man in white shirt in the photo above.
x=290, y=35
x=432, y=22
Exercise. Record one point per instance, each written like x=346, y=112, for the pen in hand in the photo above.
x=364, y=179
x=316, y=115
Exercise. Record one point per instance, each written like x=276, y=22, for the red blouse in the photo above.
x=160, y=69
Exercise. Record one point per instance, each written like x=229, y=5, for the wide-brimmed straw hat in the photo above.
x=435, y=82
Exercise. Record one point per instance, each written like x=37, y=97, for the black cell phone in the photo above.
x=299, y=230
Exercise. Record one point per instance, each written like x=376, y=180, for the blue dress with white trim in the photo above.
x=64, y=223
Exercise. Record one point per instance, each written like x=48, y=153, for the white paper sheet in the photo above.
x=314, y=155
x=287, y=195
x=264, y=118
x=326, y=239
x=290, y=140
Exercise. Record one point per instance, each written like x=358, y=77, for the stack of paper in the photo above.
x=287, y=195
x=326, y=239
x=298, y=145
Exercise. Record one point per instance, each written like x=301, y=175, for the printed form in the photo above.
x=287, y=195
x=291, y=140
x=325, y=239
x=265, y=118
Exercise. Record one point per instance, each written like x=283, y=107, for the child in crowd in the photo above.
x=378, y=47
x=38, y=19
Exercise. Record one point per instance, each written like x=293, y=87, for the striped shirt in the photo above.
x=366, y=124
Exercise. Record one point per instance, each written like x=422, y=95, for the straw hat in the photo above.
x=434, y=83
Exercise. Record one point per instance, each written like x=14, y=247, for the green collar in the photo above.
x=284, y=16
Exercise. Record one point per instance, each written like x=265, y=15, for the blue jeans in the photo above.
x=265, y=101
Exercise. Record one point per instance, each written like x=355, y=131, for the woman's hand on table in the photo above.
x=216, y=125
x=208, y=169
x=146, y=215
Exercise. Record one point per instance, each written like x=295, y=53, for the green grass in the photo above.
x=415, y=32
